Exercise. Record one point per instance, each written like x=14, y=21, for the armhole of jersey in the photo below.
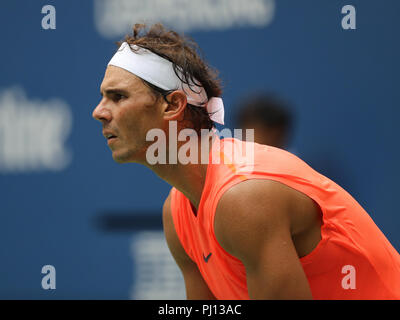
x=177, y=222
x=324, y=237
x=214, y=208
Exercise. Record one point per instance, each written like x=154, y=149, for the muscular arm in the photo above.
x=196, y=287
x=253, y=223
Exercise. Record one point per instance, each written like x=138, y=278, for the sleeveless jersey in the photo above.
x=353, y=260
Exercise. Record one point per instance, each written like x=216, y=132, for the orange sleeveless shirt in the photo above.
x=353, y=260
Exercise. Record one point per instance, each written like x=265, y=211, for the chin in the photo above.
x=120, y=158
x=123, y=157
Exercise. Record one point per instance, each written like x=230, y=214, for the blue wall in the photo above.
x=343, y=86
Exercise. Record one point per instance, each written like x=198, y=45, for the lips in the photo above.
x=109, y=135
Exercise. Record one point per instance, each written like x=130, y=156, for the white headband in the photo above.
x=160, y=72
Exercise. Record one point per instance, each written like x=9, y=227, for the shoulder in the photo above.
x=254, y=195
x=246, y=192
x=251, y=211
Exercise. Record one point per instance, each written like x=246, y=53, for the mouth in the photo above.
x=110, y=137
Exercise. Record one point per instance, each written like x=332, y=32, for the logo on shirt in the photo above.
x=207, y=258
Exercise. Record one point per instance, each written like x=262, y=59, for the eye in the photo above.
x=116, y=97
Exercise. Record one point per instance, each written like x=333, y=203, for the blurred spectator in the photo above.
x=272, y=120
x=269, y=117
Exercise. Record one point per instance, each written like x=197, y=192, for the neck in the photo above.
x=187, y=178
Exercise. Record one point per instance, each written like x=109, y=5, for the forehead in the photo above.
x=116, y=77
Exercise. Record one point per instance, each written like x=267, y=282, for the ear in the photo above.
x=174, y=110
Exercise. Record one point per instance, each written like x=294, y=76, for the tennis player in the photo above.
x=269, y=227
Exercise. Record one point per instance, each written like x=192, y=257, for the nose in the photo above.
x=101, y=113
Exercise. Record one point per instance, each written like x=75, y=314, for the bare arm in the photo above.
x=252, y=223
x=196, y=287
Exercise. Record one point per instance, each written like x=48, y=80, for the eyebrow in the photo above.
x=114, y=91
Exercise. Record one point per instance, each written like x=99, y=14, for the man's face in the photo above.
x=128, y=110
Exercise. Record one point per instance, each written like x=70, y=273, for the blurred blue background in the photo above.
x=59, y=185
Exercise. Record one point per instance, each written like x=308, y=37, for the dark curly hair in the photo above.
x=186, y=57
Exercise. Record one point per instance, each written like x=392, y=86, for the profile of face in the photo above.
x=128, y=110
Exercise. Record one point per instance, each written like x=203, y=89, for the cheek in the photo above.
x=135, y=120
x=131, y=125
